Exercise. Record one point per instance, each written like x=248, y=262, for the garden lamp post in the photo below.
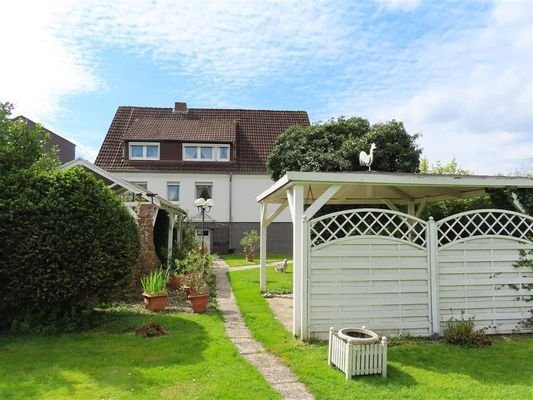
x=204, y=206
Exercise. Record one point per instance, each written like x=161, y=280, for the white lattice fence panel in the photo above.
x=365, y=222
x=484, y=223
x=474, y=276
x=378, y=282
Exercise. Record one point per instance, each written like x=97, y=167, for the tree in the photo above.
x=445, y=208
x=22, y=146
x=335, y=146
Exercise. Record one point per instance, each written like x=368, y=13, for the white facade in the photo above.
x=239, y=190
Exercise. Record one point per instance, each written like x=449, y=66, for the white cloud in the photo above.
x=38, y=69
x=403, y=5
x=89, y=153
x=220, y=43
x=470, y=92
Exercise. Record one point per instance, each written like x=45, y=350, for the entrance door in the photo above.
x=206, y=238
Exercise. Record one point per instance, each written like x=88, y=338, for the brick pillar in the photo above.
x=148, y=259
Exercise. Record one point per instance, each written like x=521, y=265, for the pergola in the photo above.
x=305, y=193
x=139, y=195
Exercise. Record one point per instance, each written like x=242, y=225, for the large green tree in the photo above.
x=335, y=146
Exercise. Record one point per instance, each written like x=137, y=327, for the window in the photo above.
x=144, y=151
x=141, y=184
x=223, y=153
x=206, y=152
x=204, y=190
x=173, y=191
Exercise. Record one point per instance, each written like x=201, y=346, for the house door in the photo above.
x=206, y=238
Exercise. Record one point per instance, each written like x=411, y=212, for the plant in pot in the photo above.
x=196, y=281
x=177, y=274
x=155, y=289
x=250, y=242
x=194, y=261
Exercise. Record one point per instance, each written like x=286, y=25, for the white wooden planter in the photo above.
x=354, y=358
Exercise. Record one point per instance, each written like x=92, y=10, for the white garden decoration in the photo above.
x=392, y=271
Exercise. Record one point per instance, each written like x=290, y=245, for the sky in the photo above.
x=458, y=73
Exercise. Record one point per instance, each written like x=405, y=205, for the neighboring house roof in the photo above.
x=66, y=149
x=252, y=132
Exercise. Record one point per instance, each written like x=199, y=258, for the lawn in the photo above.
x=239, y=259
x=418, y=369
x=195, y=361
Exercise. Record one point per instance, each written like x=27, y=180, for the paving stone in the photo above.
x=293, y=391
x=275, y=372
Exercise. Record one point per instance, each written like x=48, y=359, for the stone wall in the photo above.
x=148, y=259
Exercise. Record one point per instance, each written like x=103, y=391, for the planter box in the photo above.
x=357, y=359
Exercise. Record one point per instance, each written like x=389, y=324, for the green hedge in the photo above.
x=66, y=244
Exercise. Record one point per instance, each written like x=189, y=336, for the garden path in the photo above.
x=275, y=372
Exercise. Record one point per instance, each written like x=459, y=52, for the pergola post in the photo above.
x=265, y=222
x=171, y=220
x=262, y=247
x=298, y=259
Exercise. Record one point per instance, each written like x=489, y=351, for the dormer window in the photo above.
x=144, y=151
x=206, y=152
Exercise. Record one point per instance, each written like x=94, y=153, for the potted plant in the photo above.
x=197, y=268
x=198, y=290
x=155, y=289
x=249, y=242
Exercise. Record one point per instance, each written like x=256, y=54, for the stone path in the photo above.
x=275, y=372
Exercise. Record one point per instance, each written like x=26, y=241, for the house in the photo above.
x=66, y=150
x=184, y=153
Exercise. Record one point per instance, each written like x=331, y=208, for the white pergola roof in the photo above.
x=120, y=186
x=385, y=188
x=296, y=190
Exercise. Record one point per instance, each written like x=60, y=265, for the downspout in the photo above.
x=230, y=237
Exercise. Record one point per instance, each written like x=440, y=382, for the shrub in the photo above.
x=67, y=243
x=249, y=242
x=462, y=332
x=197, y=269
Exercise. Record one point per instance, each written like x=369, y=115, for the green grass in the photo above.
x=239, y=259
x=195, y=361
x=417, y=369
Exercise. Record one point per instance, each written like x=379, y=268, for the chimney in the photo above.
x=180, y=107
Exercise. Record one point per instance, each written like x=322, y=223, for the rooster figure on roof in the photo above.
x=365, y=160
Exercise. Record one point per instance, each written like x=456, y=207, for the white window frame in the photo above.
x=145, y=150
x=173, y=183
x=216, y=151
x=196, y=184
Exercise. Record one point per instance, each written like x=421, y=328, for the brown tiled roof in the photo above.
x=255, y=132
x=175, y=127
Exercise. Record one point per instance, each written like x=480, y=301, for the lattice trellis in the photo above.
x=367, y=222
x=483, y=223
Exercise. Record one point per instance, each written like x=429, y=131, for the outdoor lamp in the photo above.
x=204, y=206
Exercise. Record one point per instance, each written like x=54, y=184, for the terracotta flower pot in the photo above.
x=174, y=282
x=155, y=303
x=250, y=258
x=199, y=302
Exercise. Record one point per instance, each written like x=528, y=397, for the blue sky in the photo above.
x=459, y=73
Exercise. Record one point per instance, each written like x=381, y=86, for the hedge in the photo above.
x=67, y=243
